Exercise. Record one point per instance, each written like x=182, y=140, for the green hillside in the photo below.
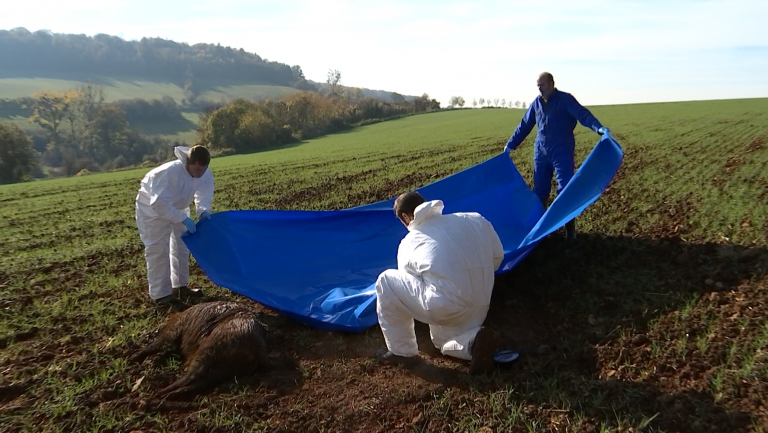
x=127, y=88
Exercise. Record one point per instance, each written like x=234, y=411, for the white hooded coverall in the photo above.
x=444, y=278
x=161, y=205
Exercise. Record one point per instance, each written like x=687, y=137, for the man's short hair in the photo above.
x=547, y=76
x=407, y=203
x=199, y=155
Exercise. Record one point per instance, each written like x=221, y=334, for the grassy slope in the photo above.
x=690, y=195
x=126, y=88
x=182, y=130
x=129, y=88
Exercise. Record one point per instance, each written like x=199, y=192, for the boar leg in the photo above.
x=168, y=338
x=195, y=379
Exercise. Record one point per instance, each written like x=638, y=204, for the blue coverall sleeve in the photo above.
x=522, y=131
x=583, y=115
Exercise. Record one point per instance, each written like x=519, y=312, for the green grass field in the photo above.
x=655, y=320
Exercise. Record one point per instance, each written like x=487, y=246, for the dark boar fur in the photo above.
x=218, y=340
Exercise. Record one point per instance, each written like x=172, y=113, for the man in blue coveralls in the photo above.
x=555, y=113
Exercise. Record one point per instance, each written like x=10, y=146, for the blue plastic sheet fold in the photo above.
x=320, y=267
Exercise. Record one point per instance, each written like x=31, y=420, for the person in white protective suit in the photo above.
x=444, y=278
x=162, y=216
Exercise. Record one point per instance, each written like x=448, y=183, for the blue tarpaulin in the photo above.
x=320, y=267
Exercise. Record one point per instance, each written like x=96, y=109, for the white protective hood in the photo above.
x=426, y=211
x=182, y=153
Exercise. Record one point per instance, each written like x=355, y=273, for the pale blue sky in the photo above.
x=602, y=51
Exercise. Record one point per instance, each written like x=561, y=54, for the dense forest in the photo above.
x=43, y=51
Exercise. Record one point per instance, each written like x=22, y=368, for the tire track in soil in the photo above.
x=736, y=161
x=327, y=185
x=427, y=173
x=325, y=188
x=84, y=263
x=683, y=382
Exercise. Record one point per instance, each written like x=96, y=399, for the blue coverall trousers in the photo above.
x=546, y=162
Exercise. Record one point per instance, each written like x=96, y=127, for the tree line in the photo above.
x=496, y=103
x=243, y=126
x=458, y=101
x=79, y=132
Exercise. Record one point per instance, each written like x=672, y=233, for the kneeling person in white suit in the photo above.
x=162, y=216
x=444, y=278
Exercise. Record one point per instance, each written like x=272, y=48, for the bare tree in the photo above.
x=517, y=104
x=503, y=102
x=334, y=78
x=474, y=102
x=482, y=101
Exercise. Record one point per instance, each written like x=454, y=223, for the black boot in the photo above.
x=570, y=230
x=171, y=302
x=482, y=351
x=384, y=356
x=187, y=294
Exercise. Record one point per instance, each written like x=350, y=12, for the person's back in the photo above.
x=445, y=275
x=454, y=253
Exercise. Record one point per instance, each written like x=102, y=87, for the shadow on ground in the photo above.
x=563, y=306
x=571, y=308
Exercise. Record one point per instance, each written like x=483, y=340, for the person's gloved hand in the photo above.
x=205, y=216
x=603, y=131
x=189, y=223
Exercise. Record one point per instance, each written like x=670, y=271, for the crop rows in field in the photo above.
x=655, y=320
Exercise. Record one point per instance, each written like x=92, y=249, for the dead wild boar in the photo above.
x=218, y=340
